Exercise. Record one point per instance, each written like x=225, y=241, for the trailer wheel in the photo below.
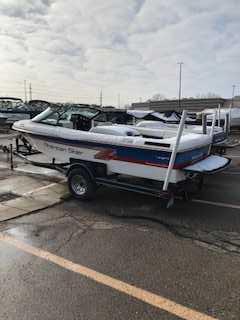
x=81, y=184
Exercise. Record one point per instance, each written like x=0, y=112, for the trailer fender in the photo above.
x=82, y=166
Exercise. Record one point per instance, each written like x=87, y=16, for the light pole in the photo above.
x=101, y=98
x=25, y=90
x=30, y=91
x=118, y=98
x=180, y=85
x=233, y=93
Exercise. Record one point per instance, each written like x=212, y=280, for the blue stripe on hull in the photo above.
x=134, y=154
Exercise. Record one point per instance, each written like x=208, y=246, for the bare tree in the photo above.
x=207, y=95
x=157, y=97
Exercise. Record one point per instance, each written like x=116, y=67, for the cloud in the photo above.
x=24, y=8
x=72, y=49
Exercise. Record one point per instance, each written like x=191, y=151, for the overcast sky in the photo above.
x=72, y=49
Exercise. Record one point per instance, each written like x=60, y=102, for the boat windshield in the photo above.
x=66, y=117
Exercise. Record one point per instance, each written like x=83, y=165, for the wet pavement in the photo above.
x=23, y=194
x=189, y=254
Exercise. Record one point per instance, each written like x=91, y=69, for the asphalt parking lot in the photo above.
x=123, y=257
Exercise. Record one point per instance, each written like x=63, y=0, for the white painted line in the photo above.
x=231, y=172
x=123, y=287
x=40, y=189
x=218, y=204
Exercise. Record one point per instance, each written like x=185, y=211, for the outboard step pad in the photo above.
x=209, y=165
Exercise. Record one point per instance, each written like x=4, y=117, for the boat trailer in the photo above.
x=84, y=178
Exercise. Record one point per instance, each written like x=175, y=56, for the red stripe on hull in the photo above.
x=176, y=166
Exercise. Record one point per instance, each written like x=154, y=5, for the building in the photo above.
x=188, y=104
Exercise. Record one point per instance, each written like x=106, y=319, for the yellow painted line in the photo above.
x=130, y=290
x=218, y=204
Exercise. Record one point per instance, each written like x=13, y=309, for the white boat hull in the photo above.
x=62, y=153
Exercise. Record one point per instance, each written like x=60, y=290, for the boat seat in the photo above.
x=116, y=131
x=80, y=123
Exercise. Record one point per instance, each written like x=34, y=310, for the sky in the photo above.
x=71, y=50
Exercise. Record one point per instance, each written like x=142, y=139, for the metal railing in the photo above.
x=178, y=138
x=174, y=152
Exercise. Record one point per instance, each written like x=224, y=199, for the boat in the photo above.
x=65, y=134
x=234, y=116
x=3, y=120
x=149, y=122
x=169, y=117
x=13, y=109
x=151, y=128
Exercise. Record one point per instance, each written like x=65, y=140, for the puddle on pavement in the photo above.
x=6, y=196
x=18, y=232
x=105, y=225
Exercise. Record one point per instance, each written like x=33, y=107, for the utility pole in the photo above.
x=101, y=98
x=233, y=93
x=231, y=106
x=25, y=90
x=180, y=85
x=30, y=91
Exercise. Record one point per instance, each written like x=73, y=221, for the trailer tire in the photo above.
x=81, y=185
